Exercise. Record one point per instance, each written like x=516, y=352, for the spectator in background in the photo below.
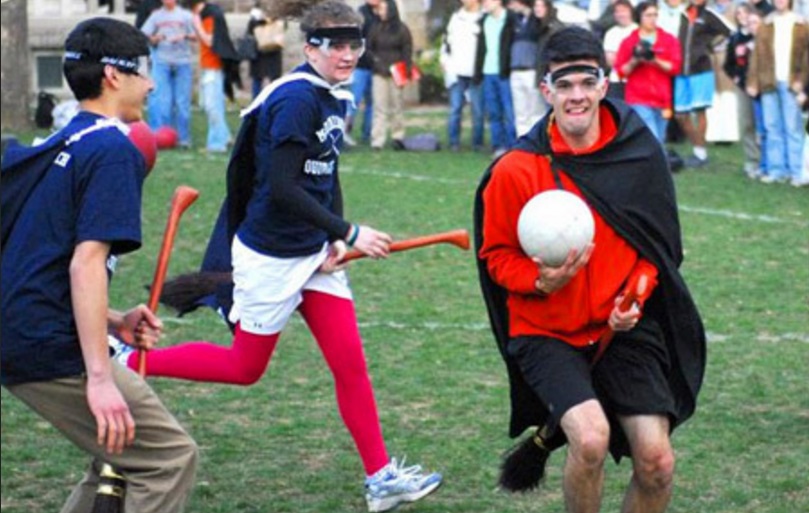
x=267, y=65
x=492, y=66
x=670, y=15
x=215, y=46
x=389, y=42
x=624, y=25
x=778, y=71
x=545, y=13
x=764, y=7
x=737, y=61
x=694, y=88
x=170, y=30
x=145, y=8
x=601, y=16
x=362, y=79
x=648, y=59
x=523, y=58
x=458, y=62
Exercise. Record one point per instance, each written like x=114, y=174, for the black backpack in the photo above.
x=43, y=116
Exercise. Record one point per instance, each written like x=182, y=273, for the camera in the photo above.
x=643, y=50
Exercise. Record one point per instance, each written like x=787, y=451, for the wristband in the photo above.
x=353, y=234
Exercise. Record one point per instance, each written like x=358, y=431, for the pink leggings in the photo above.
x=333, y=323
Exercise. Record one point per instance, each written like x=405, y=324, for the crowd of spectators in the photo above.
x=665, y=59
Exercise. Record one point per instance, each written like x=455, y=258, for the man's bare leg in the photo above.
x=652, y=461
x=588, y=434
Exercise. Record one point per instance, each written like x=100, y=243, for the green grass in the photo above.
x=441, y=387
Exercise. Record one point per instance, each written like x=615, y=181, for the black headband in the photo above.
x=589, y=69
x=126, y=63
x=316, y=37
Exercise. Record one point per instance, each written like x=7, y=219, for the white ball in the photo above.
x=552, y=223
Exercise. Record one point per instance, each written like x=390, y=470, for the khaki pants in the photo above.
x=387, y=107
x=529, y=106
x=159, y=466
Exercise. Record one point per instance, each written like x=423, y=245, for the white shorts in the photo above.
x=267, y=290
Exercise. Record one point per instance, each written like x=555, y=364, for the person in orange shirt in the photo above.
x=548, y=320
x=215, y=47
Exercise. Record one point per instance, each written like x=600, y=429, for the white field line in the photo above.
x=741, y=216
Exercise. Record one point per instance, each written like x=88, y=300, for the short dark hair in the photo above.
x=569, y=44
x=641, y=8
x=89, y=42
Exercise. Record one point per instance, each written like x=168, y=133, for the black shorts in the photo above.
x=630, y=379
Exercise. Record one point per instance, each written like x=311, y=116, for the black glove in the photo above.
x=643, y=51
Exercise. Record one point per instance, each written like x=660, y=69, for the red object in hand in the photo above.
x=144, y=140
x=166, y=137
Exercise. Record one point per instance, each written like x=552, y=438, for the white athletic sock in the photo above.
x=700, y=152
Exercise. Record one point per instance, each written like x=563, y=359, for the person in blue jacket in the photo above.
x=58, y=257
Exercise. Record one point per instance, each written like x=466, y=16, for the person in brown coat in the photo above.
x=778, y=72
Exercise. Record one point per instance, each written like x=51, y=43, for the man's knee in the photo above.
x=654, y=467
x=588, y=433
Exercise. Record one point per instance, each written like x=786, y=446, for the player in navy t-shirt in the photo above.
x=54, y=278
x=288, y=240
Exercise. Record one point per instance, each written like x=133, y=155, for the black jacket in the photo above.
x=629, y=184
x=506, y=36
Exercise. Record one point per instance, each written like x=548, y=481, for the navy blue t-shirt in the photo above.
x=92, y=191
x=302, y=113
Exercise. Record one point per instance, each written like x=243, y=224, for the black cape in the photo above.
x=629, y=184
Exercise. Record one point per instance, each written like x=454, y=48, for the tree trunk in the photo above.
x=16, y=67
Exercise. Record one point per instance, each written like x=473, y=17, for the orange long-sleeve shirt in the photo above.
x=578, y=312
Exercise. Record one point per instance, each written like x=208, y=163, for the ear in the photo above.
x=545, y=90
x=112, y=77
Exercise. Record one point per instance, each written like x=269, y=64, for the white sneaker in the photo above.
x=395, y=484
x=350, y=142
x=119, y=350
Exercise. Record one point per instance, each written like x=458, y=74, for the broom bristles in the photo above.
x=184, y=291
x=523, y=468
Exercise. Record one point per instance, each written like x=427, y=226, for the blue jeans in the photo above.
x=457, y=99
x=170, y=101
x=362, y=90
x=758, y=119
x=784, y=129
x=213, y=101
x=653, y=117
x=500, y=111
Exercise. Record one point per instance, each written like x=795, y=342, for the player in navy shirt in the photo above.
x=284, y=209
x=54, y=278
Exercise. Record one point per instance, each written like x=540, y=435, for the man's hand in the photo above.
x=337, y=251
x=623, y=320
x=140, y=327
x=116, y=427
x=552, y=279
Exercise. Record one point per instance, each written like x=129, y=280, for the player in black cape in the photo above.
x=628, y=183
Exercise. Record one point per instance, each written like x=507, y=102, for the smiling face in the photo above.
x=575, y=100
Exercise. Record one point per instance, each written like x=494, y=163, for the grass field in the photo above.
x=279, y=446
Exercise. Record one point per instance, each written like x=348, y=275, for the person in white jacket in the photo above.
x=458, y=63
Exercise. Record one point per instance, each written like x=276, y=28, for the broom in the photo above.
x=112, y=485
x=110, y=492
x=523, y=467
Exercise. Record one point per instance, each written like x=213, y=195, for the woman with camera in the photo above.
x=648, y=59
